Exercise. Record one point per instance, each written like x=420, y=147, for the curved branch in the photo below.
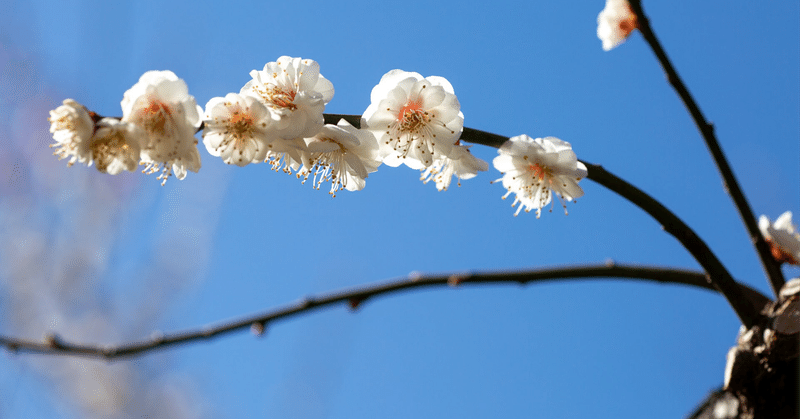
x=53, y=345
x=731, y=185
x=718, y=275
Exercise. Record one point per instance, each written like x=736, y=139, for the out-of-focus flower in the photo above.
x=783, y=237
x=160, y=103
x=615, y=23
x=343, y=155
x=72, y=128
x=415, y=119
x=115, y=146
x=535, y=169
x=239, y=129
x=295, y=92
x=461, y=164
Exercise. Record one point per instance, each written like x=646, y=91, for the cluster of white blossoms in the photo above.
x=535, y=169
x=159, y=120
x=783, y=237
x=277, y=118
x=615, y=23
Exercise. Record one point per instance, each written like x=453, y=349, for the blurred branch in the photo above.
x=53, y=345
x=731, y=185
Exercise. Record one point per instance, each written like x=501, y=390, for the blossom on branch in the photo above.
x=416, y=120
x=116, y=146
x=160, y=103
x=72, y=128
x=341, y=154
x=461, y=164
x=783, y=237
x=294, y=92
x=615, y=23
x=535, y=169
x=239, y=129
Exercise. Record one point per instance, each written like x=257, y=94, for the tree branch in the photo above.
x=718, y=275
x=731, y=185
x=53, y=345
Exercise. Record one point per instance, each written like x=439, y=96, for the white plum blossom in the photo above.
x=783, y=237
x=72, y=127
x=160, y=103
x=415, y=119
x=461, y=164
x=295, y=93
x=615, y=23
x=341, y=154
x=115, y=146
x=535, y=169
x=239, y=129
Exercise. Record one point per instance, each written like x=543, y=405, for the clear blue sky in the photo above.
x=107, y=259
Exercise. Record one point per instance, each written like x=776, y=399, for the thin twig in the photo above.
x=54, y=345
x=731, y=185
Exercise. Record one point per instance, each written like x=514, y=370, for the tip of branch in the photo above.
x=258, y=328
x=157, y=336
x=307, y=302
x=207, y=332
x=455, y=280
x=109, y=353
x=355, y=302
x=53, y=340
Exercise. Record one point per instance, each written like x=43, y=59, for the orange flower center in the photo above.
x=154, y=116
x=630, y=23
x=412, y=116
x=539, y=171
x=241, y=123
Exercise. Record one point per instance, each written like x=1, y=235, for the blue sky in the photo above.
x=110, y=259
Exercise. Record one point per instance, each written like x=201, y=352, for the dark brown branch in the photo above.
x=731, y=185
x=53, y=345
x=717, y=273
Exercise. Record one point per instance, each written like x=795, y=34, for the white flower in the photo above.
x=416, y=120
x=343, y=155
x=239, y=129
x=115, y=146
x=295, y=92
x=461, y=164
x=783, y=237
x=160, y=103
x=72, y=127
x=615, y=23
x=536, y=169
